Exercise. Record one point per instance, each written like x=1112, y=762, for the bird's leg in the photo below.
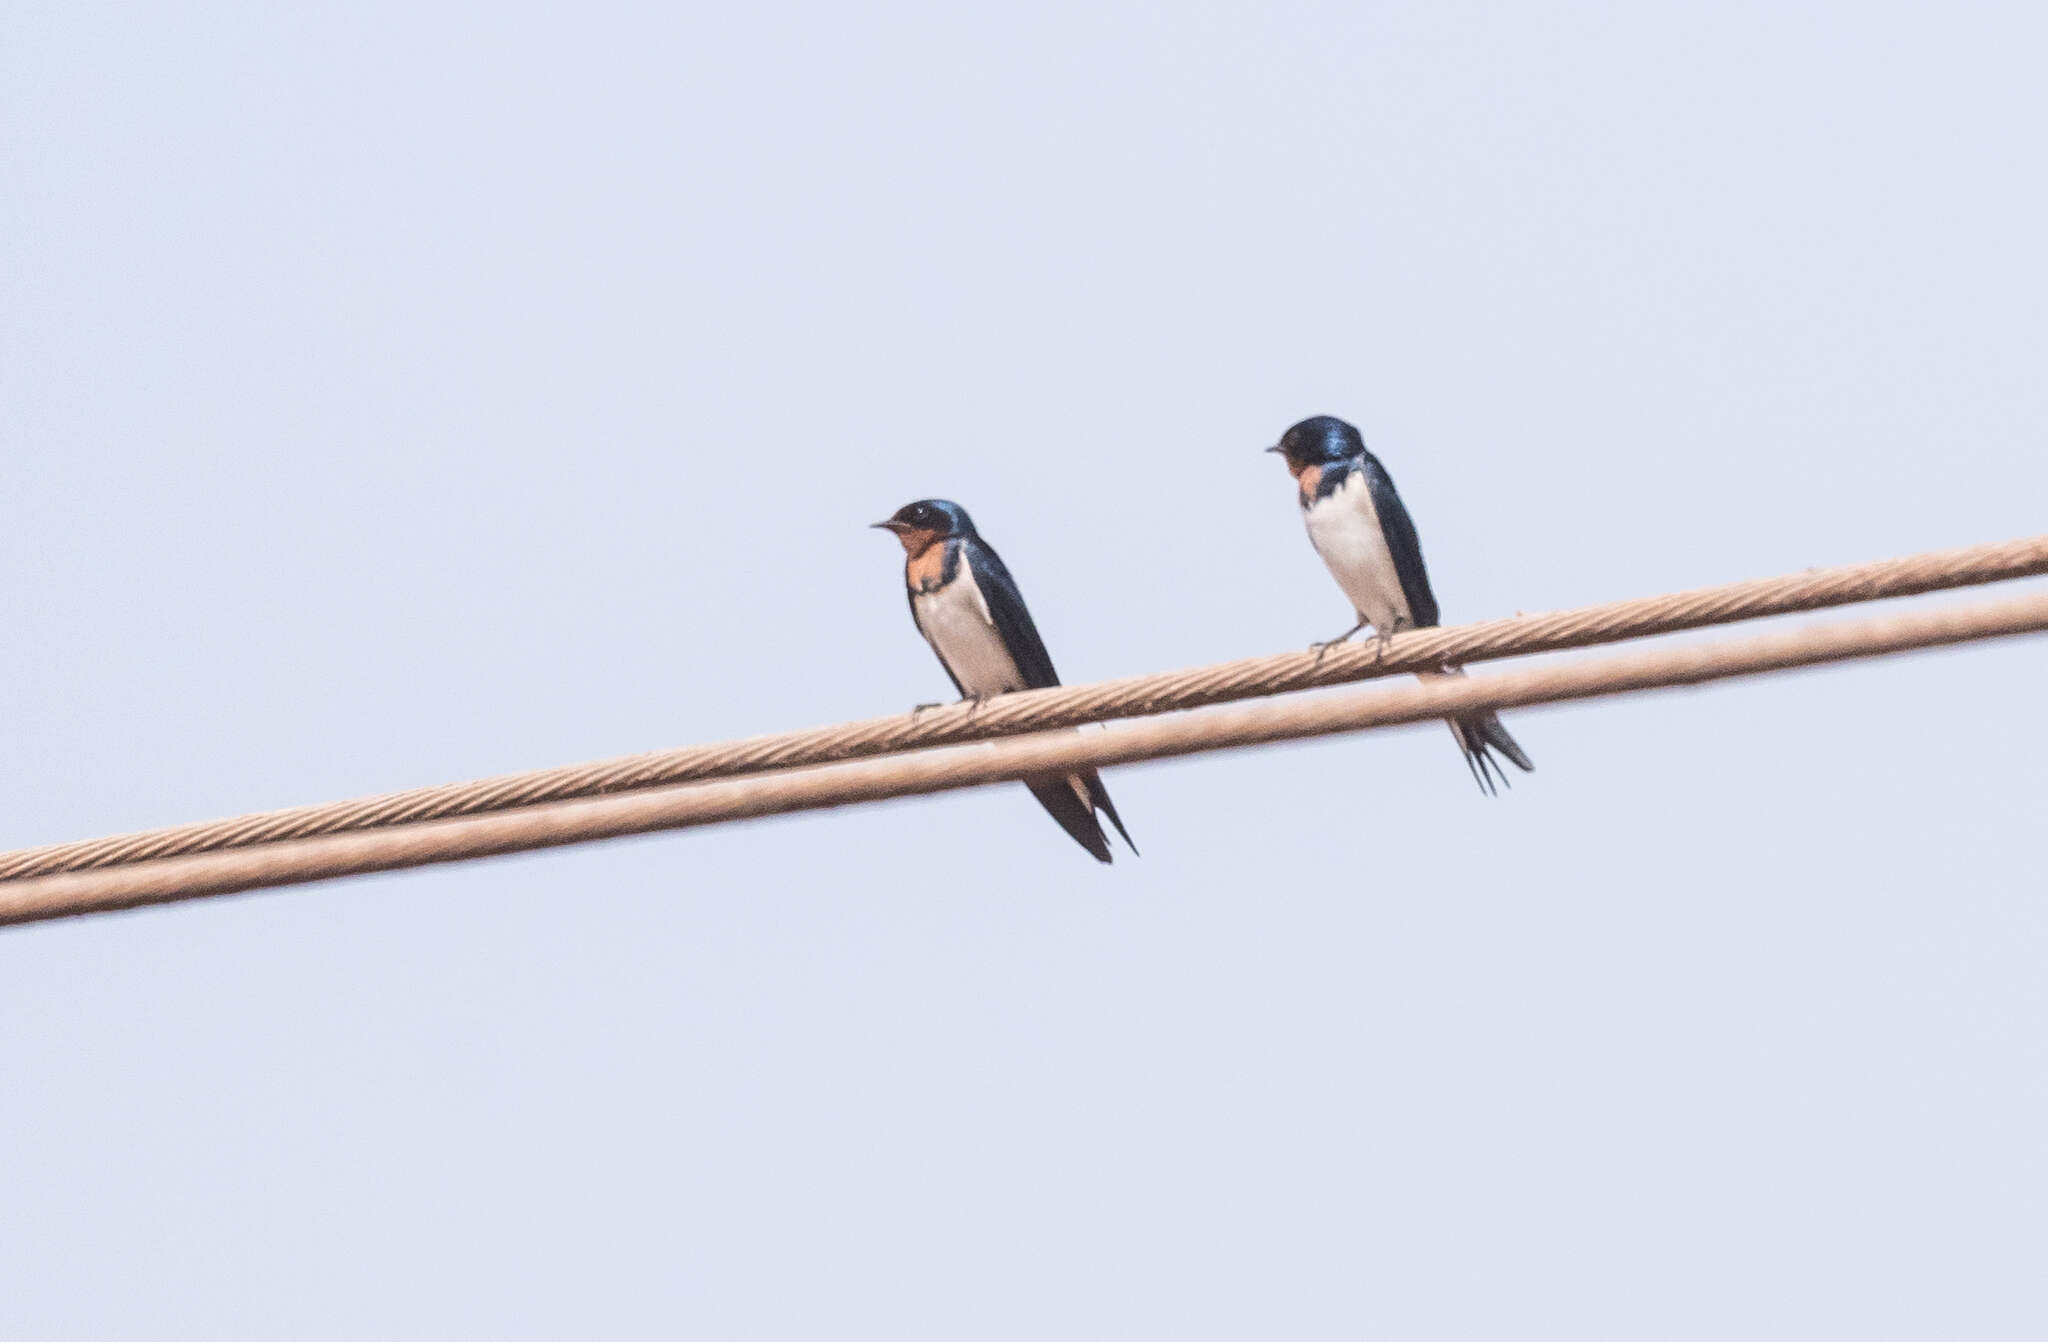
x=1322, y=649
x=1386, y=639
x=973, y=702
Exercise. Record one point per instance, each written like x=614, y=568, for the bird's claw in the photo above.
x=1322, y=650
x=973, y=702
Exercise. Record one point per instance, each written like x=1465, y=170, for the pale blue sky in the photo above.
x=398, y=393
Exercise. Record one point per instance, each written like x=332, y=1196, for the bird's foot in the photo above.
x=973, y=702
x=1322, y=650
x=1386, y=638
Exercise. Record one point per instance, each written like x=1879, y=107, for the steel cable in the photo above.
x=1039, y=710
x=1040, y=754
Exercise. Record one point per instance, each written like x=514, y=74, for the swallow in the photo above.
x=967, y=606
x=1367, y=540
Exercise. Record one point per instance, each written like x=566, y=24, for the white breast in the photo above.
x=1345, y=529
x=955, y=621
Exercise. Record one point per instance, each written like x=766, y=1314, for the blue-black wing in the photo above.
x=1478, y=734
x=1402, y=542
x=1012, y=617
x=1014, y=625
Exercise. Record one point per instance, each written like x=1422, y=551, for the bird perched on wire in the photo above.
x=1357, y=524
x=968, y=608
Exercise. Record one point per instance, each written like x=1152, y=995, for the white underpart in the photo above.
x=1345, y=529
x=956, y=622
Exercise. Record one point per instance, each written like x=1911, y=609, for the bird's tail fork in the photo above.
x=1481, y=734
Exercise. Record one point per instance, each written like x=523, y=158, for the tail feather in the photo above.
x=1478, y=736
x=1108, y=808
x=1073, y=801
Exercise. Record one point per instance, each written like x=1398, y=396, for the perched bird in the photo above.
x=969, y=609
x=1357, y=524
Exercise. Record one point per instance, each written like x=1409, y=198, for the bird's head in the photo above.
x=923, y=524
x=1323, y=440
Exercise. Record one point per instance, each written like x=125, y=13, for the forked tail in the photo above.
x=1479, y=735
x=1074, y=801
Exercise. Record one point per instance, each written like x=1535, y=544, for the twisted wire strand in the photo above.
x=1069, y=706
x=1037, y=755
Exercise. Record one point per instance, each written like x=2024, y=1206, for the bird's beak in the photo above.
x=1276, y=448
x=891, y=525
